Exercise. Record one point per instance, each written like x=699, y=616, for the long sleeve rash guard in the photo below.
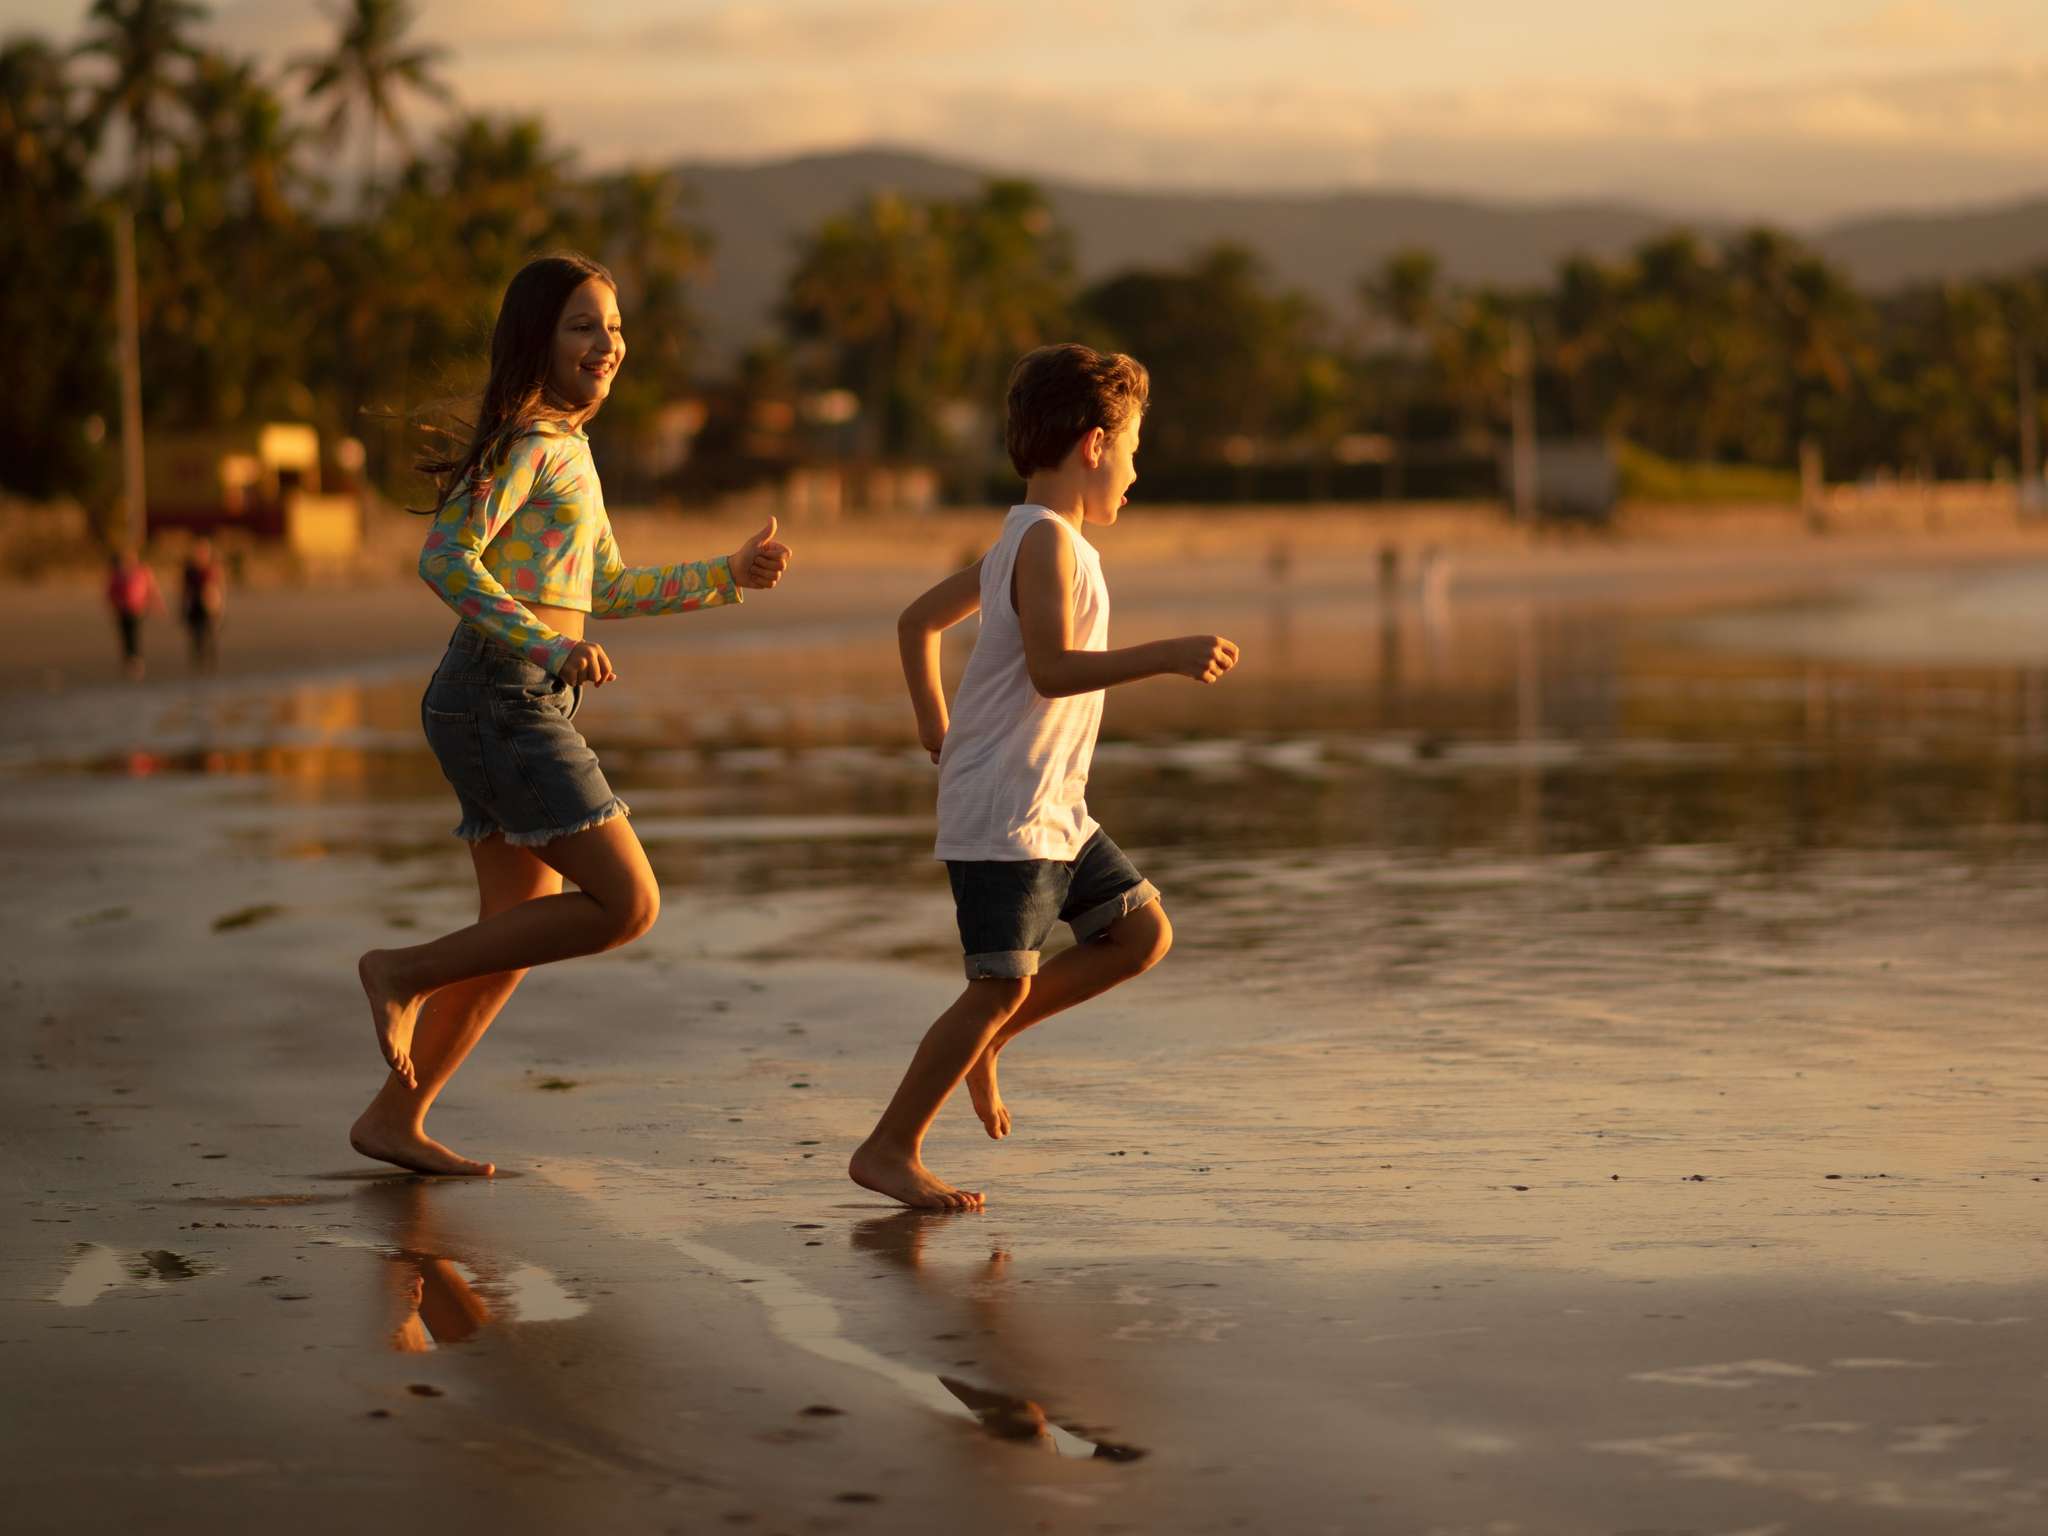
x=535, y=531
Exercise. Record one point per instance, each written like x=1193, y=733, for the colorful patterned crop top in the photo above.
x=536, y=532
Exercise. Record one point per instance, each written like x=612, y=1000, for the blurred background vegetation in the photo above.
x=303, y=257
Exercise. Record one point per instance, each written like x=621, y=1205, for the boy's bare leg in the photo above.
x=615, y=901
x=1130, y=946
x=450, y=1023
x=890, y=1161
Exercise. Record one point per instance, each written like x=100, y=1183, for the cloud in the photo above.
x=1801, y=153
x=1910, y=26
x=1266, y=15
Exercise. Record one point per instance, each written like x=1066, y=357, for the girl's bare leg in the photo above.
x=1130, y=946
x=615, y=901
x=393, y=1128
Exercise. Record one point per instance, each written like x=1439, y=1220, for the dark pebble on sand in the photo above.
x=809, y=1226
x=1523, y=1188
x=380, y=1413
x=857, y=1498
x=422, y=1389
x=1695, y=1178
x=1834, y=1175
x=822, y=1411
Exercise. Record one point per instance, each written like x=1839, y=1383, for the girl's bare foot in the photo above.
x=907, y=1179
x=411, y=1148
x=988, y=1102
x=391, y=1011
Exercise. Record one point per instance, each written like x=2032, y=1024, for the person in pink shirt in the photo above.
x=132, y=594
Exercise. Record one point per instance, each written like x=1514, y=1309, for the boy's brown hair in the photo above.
x=1060, y=393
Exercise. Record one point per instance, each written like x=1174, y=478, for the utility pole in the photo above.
x=2030, y=433
x=135, y=516
x=1522, y=422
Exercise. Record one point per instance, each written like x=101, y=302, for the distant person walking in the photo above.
x=132, y=594
x=1021, y=851
x=205, y=597
x=522, y=550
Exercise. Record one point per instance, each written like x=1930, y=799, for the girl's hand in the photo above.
x=1205, y=658
x=760, y=562
x=587, y=664
x=932, y=738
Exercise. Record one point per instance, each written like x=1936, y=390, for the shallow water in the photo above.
x=1597, y=1086
x=1470, y=733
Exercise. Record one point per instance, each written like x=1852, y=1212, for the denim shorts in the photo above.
x=1006, y=908
x=500, y=727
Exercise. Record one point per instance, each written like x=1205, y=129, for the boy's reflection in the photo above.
x=899, y=1239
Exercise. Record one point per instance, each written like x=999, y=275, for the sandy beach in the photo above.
x=1598, y=1086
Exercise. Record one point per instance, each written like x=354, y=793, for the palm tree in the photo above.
x=145, y=42
x=245, y=143
x=868, y=286
x=367, y=69
x=148, y=45
x=1403, y=295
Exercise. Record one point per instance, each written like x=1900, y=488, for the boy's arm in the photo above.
x=917, y=637
x=1045, y=616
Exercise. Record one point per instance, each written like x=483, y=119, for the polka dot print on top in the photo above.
x=536, y=532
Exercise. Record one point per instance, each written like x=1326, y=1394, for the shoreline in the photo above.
x=847, y=575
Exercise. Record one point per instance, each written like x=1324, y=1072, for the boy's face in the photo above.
x=1110, y=479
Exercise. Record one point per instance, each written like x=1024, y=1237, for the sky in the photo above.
x=1797, y=111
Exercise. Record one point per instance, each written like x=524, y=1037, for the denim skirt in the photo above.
x=502, y=730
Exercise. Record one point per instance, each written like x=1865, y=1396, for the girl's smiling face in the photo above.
x=590, y=343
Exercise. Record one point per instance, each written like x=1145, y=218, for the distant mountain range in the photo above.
x=1318, y=243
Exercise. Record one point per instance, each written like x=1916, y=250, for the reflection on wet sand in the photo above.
x=899, y=1239
x=440, y=1289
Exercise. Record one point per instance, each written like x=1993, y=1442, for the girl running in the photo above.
x=523, y=552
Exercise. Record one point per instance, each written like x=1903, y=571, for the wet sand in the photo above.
x=1598, y=1087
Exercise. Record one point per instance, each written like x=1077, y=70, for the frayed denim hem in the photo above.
x=617, y=807
x=1096, y=920
x=476, y=831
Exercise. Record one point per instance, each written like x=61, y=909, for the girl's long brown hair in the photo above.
x=522, y=347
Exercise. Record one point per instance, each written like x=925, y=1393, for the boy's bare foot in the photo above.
x=391, y=1011
x=908, y=1180
x=988, y=1101
x=410, y=1148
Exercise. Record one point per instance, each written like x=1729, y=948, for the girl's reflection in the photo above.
x=432, y=1302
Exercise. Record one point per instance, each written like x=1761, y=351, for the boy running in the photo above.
x=1020, y=848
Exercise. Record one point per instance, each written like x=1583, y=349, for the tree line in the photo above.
x=280, y=277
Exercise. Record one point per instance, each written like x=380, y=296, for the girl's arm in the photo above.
x=621, y=591
x=1045, y=618
x=917, y=637
x=452, y=562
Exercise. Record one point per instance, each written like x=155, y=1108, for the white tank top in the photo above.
x=1013, y=774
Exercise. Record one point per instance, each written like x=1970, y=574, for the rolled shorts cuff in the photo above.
x=1002, y=965
x=1090, y=924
